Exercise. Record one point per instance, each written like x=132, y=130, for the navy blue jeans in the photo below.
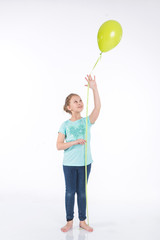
x=75, y=183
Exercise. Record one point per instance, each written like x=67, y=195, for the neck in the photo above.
x=75, y=116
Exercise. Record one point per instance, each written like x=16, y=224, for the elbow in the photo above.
x=98, y=107
x=57, y=146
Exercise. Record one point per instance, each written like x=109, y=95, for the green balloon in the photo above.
x=109, y=35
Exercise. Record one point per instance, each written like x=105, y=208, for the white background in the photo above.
x=46, y=50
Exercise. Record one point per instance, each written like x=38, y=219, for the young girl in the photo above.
x=73, y=130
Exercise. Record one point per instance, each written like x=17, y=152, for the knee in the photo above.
x=81, y=195
x=70, y=194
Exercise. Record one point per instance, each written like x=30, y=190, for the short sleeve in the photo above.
x=62, y=128
x=89, y=123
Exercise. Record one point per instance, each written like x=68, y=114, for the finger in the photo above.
x=94, y=77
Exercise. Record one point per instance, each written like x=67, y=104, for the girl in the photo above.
x=73, y=130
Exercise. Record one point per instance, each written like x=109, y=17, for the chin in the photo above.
x=80, y=109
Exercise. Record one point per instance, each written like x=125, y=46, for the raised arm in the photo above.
x=97, y=103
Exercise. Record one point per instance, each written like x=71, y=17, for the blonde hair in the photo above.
x=67, y=102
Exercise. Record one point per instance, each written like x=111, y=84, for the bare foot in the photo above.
x=85, y=226
x=67, y=226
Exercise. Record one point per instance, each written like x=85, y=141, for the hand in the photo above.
x=80, y=141
x=92, y=82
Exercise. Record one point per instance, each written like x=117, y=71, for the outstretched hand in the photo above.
x=91, y=81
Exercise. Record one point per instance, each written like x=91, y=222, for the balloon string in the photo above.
x=86, y=139
x=97, y=61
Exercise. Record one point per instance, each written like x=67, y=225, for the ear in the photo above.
x=68, y=108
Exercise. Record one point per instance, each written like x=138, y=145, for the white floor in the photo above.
x=28, y=216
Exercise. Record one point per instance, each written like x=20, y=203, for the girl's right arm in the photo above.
x=62, y=146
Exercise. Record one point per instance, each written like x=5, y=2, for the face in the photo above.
x=76, y=104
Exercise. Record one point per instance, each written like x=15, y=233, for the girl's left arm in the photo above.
x=97, y=103
x=97, y=106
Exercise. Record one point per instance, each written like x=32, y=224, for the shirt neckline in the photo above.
x=76, y=120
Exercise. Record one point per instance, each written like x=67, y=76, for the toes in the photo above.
x=63, y=229
x=89, y=229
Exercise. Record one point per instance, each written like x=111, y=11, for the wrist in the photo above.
x=74, y=142
x=95, y=88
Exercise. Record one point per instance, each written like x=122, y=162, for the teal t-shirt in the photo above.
x=75, y=155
